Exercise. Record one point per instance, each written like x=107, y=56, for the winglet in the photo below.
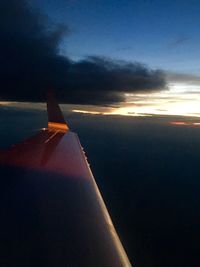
x=56, y=121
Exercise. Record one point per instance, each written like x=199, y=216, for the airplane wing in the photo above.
x=51, y=210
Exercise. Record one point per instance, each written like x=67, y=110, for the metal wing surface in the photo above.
x=51, y=210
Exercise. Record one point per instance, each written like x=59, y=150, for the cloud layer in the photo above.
x=30, y=63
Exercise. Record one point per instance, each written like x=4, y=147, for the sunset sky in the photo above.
x=126, y=74
x=160, y=35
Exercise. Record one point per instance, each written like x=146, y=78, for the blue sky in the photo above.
x=163, y=34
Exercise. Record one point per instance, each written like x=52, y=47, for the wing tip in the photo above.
x=56, y=121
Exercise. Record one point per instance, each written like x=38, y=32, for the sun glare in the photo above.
x=180, y=99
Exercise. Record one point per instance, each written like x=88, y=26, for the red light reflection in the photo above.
x=54, y=152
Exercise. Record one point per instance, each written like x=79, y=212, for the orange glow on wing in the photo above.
x=49, y=151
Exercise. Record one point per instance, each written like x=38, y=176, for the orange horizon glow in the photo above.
x=178, y=100
x=185, y=123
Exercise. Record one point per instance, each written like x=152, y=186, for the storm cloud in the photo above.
x=30, y=64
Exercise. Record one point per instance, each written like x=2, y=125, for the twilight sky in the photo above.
x=163, y=34
x=135, y=57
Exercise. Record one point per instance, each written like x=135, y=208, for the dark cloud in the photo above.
x=105, y=80
x=30, y=63
x=28, y=52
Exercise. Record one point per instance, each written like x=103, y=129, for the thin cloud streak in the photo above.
x=180, y=41
x=184, y=78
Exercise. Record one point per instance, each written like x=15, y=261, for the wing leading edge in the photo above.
x=53, y=212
